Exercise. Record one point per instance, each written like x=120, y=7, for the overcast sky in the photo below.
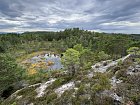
x=121, y=16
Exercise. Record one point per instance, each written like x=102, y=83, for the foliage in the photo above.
x=10, y=72
x=101, y=82
x=133, y=50
x=80, y=90
x=14, y=103
x=71, y=60
x=120, y=62
x=103, y=56
x=130, y=89
x=112, y=44
x=81, y=49
x=50, y=98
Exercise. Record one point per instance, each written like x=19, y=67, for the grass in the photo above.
x=27, y=56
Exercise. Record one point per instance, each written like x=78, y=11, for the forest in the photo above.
x=79, y=50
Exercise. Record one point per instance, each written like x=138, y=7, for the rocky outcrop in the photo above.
x=102, y=67
x=64, y=87
x=133, y=69
x=40, y=90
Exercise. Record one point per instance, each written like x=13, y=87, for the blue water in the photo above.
x=56, y=59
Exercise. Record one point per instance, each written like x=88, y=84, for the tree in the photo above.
x=71, y=60
x=101, y=82
x=133, y=50
x=136, y=52
x=10, y=73
x=2, y=49
x=79, y=48
x=86, y=56
x=103, y=56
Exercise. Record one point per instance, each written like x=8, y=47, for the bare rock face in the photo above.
x=64, y=87
x=43, y=86
x=104, y=65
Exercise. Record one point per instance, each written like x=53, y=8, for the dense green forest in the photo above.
x=80, y=50
x=69, y=37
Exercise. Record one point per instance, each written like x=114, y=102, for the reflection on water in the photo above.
x=53, y=58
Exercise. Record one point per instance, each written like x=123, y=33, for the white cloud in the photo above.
x=122, y=23
x=12, y=22
x=100, y=15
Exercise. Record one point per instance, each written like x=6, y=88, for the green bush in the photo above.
x=51, y=97
x=80, y=90
x=121, y=73
x=60, y=81
x=10, y=72
x=120, y=62
x=14, y=103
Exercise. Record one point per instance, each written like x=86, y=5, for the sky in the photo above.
x=114, y=16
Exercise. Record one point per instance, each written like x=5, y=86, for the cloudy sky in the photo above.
x=121, y=16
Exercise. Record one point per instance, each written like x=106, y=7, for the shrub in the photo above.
x=14, y=103
x=120, y=62
x=103, y=56
x=80, y=90
x=51, y=97
x=10, y=72
x=121, y=73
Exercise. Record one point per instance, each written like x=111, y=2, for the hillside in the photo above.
x=70, y=67
x=80, y=88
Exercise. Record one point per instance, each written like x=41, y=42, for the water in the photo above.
x=55, y=59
